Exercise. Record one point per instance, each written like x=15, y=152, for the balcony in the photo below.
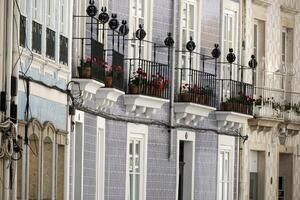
x=148, y=78
x=195, y=96
x=277, y=104
x=36, y=37
x=236, y=96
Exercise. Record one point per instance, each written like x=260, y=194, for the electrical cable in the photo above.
x=26, y=43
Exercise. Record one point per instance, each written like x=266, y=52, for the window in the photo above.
x=226, y=167
x=257, y=175
x=286, y=56
x=46, y=150
x=229, y=41
x=134, y=168
x=259, y=50
x=188, y=29
x=224, y=175
x=64, y=17
x=100, y=158
x=36, y=10
x=136, y=162
x=139, y=14
x=50, y=13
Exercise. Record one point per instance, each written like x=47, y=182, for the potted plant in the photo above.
x=85, y=71
x=240, y=103
x=205, y=94
x=137, y=80
x=184, y=95
x=157, y=85
x=108, y=74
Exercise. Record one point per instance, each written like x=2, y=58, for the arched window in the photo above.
x=33, y=166
x=49, y=163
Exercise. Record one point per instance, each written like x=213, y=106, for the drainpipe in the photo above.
x=8, y=64
x=172, y=78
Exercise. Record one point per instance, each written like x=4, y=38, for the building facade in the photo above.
x=270, y=159
x=37, y=42
x=123, y=144
x=144, y=99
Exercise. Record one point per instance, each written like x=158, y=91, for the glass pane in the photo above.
x=131, y=196
x=221, y=175
x=134, y=10
x=230, y=30
x=141, y=6
x=137, y=156
x=225, y=27
x=191, y=17
x=184, y=39
x=137, y=187
x=225, y=191
x=184, y=16
x=255, y=40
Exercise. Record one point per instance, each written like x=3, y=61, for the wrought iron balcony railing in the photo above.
x=196, y=86
x=63, y=50
x=276, y=103
x=236, y=96
x=92, y=66
x=36, y=37
x=50, y=43
x=22, y=30
x=148, y=78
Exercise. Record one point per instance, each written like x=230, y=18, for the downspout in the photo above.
x=8, y=64
x=15, y=73
x=172, y=90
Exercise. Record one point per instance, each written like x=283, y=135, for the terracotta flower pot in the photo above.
x=185, y=97
x=108, y=81
x=86, y=72
x=134, y=89
x=203, y=99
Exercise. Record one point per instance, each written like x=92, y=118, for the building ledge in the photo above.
x=88, y=88
x=289, y=10
x=191, y=113
x=107, y=97
x=229, y=120
x=143, y=105
x=264, y=3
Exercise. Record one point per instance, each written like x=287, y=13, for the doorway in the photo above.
x=285, y=179
x=185, y=170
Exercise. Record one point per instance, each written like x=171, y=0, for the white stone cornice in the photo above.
x=231, y=120
x=88, y=89
x=143, y=105
x=107, y=97
x=264, y=3
x=191, y=113
x=289, y=10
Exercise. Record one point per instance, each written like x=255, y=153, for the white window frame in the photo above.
x=148, y=20
x=140, y=132
x=100, y=158
x=196, y=32
x=227, y=144
x=36, y=10
x=79, y=118
x=50, y=17
x=230, y=8
x=186, y=136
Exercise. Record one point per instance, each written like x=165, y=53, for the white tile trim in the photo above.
x=140, y=131
x=227, y=143
x=185, y=136
x=100, y=158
